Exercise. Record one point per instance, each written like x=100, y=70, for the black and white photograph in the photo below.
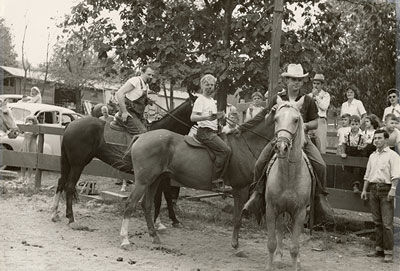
x=196, y=135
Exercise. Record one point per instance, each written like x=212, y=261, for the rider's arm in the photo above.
x=198, y=116
x=311, y=125
x=121, y=96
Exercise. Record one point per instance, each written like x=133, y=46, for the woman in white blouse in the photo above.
x=353, y=106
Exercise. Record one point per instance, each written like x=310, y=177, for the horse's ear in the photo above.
x=279, y=100
x=299, y=103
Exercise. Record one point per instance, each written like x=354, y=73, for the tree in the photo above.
x=78, y=59
x=188, y=38
x=8, y=56
x=354, y=43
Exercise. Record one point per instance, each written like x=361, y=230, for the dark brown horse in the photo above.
x=164, y=153
x=83, y=140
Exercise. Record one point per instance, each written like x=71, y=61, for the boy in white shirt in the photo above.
x=343, y=130
x=205, y=113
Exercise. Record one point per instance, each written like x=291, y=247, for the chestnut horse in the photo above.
x=288, y=187
x=83, y=140
x=163, y=153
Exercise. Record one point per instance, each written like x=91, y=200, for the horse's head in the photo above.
x=288, y=123
x=7, y=122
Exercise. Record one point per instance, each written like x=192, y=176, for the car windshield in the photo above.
x=20, y=114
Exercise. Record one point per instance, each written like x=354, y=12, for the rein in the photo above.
x=172, y=116
x=244, y=139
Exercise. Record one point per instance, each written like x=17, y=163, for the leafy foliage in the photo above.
x=8, y=56
x=355, y=43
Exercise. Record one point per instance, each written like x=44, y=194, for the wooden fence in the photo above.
x=338, y=185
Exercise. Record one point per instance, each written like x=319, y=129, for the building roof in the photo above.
x=37, y=75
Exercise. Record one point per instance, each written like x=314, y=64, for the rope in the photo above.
x=175, y=118
x=257, y=134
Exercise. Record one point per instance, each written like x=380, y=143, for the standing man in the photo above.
x=382, y=176
x=294, y=81
x=322, y=100
x=105, y=116
x=394, y=107
x=132, y=99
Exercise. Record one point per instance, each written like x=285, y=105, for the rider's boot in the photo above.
x=220, y=186
x=255, y=203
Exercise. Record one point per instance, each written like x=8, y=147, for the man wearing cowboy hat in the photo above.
x=309, y=111
x=322, y=100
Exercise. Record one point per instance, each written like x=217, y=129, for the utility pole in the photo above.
x=275, y=48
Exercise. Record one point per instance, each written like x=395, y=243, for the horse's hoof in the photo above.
x=235, y=244
x=156, y=240
x=55, y=218
x=176, y=224
x=241, y=254
x=74, y=226
x=126, y=247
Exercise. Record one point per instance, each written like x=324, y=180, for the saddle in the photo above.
x=193, y=142
x=116, y=136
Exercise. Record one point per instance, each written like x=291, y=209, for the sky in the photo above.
x=37, y=14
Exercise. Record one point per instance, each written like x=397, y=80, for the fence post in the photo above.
x=38, y=174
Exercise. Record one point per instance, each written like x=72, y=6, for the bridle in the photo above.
x=283, y=139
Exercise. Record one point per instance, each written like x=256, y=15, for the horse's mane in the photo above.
x=253, y=122
x=173, y=111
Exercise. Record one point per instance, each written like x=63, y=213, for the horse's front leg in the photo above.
x=298, y=224
x=130, y=207
x=279, y=236
x=271, y=228
x=147, y=206
x=240, y=196
x=54, y=209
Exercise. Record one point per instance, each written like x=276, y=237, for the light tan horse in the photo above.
x=7, y=123
x=289, y=181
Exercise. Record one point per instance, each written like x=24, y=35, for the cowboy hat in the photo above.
x=319, y=77
x=294, y=71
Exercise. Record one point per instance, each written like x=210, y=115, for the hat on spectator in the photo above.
x=294, y=71
x=319, y=77
x=393, y=90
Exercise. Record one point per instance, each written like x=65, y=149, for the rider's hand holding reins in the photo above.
x=125, y=115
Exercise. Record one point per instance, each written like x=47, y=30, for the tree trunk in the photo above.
x=78, y=99
x=171, y=95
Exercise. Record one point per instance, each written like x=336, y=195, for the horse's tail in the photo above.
x=128, y=149
x=65, y=168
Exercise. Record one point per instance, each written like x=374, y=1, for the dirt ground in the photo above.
x=30, y=241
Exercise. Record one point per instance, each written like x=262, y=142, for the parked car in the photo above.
x=48, y=115
x=12, y=98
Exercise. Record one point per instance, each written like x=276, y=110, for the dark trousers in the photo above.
x=133, y=125
x=382, y=211
x=313, y=155
x=221, y=150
